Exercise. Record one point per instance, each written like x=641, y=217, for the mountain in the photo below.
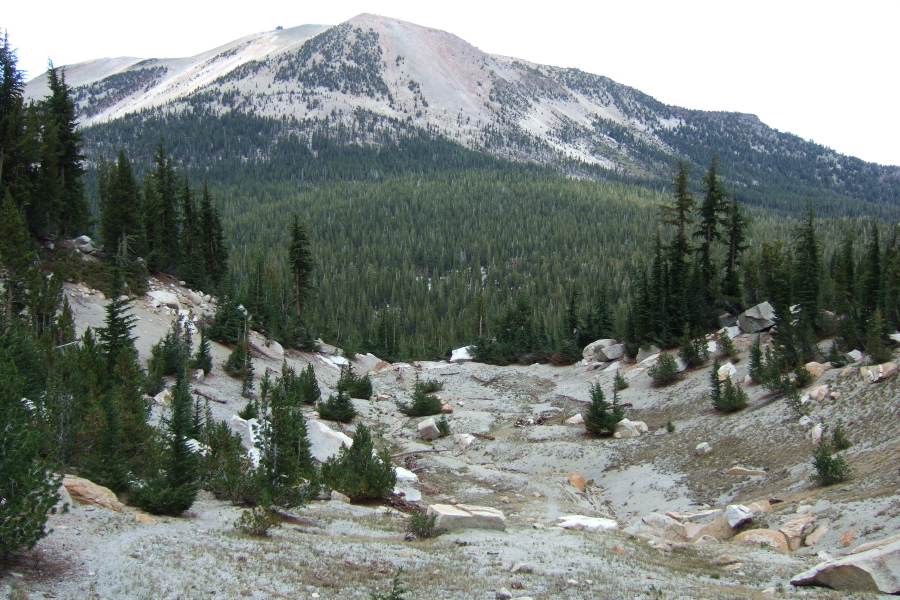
x=396, y=75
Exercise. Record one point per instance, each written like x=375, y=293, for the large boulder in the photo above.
x=816, y=369
x=737, y=514
x=164, y=298
x=794, y=529
x=875, y=570
x=757, y=318
x=87, y=492
x=325, y=442
x=877, y=373
x=629, y=429
x=591, y=351
x=763, y=537
x=464, y=516
x=647, y=353
x=611, y=353
x=428, y=429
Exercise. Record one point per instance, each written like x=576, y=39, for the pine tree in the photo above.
x=301, y=261
x=714, y=205
x=807, y=265
x=309, y=387
x=174, y=490
x=601, y=417
x=203, y=359
x=358, y=472
x=215, y=252
x=69, y=212
x=28, y=487
x=162, y=221
x=715, y=385
x=736, y=224
x=16, y=258
x=115, y=337
x=121, y=225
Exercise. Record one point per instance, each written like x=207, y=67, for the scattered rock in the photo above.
x=816, y=433
x=87, y=492
x=813, y=538
x=325, y=442
x=463, y=441
x=793, y=530
x=757, y=318
x=591, y=352
x=144, y=518
x=611, y=353
x=163, y=298
x=164, y=398
x=428, y=429
x=737, y=514
x=575, y=420
x=725, y=371
x=875, y=570
x=744, y=471
x=878, y=373
x=618, y=549
x=816, y=369
x=339, y=497
x=503, y=594
x=446, y=409
x=763, y=537
x=702, y=449
x=629, y=429
x=645, y=353
x=819, y=393
x=847, y=537
x=854, y=356
x=577, y=480
x=591, y=524
x=726, y=559
x=464, y=516
x=197, y=375
x=405, y=475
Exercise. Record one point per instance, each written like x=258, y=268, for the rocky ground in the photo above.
x=519, y=457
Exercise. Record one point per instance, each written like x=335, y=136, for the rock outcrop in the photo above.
x=874, y=570
x=878, y=373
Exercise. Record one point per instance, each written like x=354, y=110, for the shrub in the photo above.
x=665, y=371
x=620, y=382
x=422, y=405
x=734, y=398
x=309, y=387
x=395, y=593
x=727, y=347
x=693, y=351
x=250, y=410
x=670, y=426
x=443, y=426
x=838, y=438
x=829, y=469
x=834, y=356
x=337, y=408
x=356, y=387
x=258, y=521
x=429, y=386
x=421, y=525
x=358, y=472
x=601, y=417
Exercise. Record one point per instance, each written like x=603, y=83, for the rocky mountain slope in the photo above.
x=651, y=518
x=384, y=72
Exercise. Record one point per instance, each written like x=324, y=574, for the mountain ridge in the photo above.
x=508, y=107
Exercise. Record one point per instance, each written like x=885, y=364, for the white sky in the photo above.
x=822, y=70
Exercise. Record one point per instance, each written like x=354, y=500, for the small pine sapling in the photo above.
x=838, y=438
x=620, y=382
x=665, y=371
x=829, y=469
x=337, y=408
x=358, y=472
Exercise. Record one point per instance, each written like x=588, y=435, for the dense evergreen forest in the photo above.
x=421, y=245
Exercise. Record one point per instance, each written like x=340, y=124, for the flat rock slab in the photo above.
x=763, y=537
x=875, y=570
x=466, y=516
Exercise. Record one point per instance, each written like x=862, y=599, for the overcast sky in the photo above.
x=825, y=71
